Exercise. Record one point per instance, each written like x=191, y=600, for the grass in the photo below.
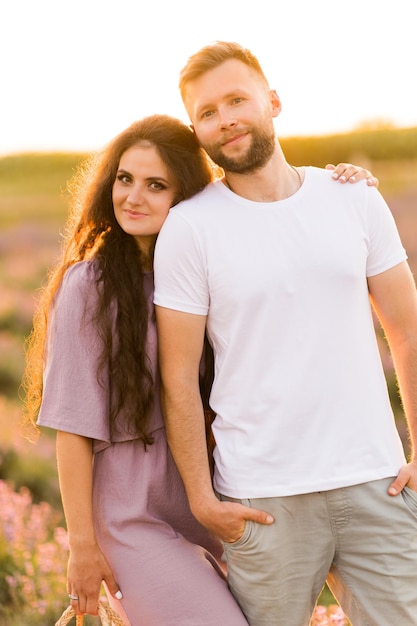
x=33, y=186
x=396, y=178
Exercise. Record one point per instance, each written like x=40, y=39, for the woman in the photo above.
x=94, y=344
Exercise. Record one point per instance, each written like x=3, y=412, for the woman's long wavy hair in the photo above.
x=92, y=232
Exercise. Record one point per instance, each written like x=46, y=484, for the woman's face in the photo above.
x=143, y=192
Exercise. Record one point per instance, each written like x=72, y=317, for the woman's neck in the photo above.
x=146, y=246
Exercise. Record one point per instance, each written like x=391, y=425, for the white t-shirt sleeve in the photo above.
x=180, y=267
x=385, y=247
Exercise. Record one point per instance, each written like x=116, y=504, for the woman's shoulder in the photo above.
x=82, y=272
x=79, y=282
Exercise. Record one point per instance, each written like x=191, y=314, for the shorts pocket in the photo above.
x=248, y=523
x=243, y=539
x=410, y=499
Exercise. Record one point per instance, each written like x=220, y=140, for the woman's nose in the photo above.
x=135, y=196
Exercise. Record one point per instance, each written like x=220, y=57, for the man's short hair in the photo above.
x=213, y=55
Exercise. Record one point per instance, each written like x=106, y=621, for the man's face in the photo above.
x=231, y=109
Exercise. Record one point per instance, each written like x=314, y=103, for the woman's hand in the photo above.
x=87, y=569
x=344, y=172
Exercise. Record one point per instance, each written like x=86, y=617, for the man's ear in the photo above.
x=275, y=103
x=195, y=134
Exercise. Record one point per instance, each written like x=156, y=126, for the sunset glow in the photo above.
x=78, y=72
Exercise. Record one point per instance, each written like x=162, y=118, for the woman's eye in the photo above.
x=207, y=114
x=123, y=178
x=157, y=186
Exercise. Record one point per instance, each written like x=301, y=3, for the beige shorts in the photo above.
x=359, y=539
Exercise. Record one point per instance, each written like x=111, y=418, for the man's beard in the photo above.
x=260, y=151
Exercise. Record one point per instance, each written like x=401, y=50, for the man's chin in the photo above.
x=237, y=166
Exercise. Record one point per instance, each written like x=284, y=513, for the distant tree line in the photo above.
x=361, y=146
x=384, y=143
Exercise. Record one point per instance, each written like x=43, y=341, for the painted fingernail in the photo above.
x=335, y=176
x=353, y=179
x=342, y=178
x=118, y=595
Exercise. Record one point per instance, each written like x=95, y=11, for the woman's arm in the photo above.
x=87, y=566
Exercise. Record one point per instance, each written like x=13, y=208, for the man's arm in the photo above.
x=181, y=338
x=394, y=297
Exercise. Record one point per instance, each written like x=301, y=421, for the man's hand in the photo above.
x=227, y=519
x=406, y=476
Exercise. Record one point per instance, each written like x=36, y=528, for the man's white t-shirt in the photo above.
x=300, y=394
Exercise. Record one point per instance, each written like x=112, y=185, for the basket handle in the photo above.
x=108, y=616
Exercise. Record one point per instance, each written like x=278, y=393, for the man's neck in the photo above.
x=277, y=180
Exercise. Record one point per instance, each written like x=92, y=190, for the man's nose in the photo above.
x=226, y=118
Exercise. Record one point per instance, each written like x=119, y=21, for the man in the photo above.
x=281, y=266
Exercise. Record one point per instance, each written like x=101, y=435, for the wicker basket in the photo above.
x=108, y=616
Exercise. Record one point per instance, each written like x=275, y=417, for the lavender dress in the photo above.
x=166, y=564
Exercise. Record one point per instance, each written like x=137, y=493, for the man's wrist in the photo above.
x=202, y=506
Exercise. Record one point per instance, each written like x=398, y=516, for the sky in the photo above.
x=74, y=73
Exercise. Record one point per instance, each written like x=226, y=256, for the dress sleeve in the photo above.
x=73, y=400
